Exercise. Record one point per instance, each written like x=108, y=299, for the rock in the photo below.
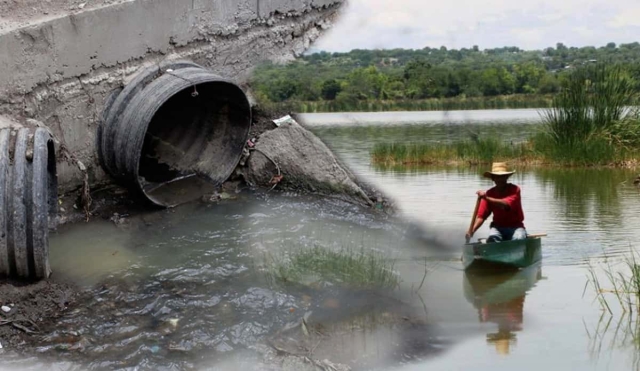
x=6, y=309
x=304, y=161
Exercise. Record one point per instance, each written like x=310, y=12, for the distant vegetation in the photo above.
x=589, y=124
x=432, y=78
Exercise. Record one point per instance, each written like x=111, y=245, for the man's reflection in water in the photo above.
x=499, y=298
x=508, y=316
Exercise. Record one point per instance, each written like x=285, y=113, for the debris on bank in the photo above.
x=293, y=158
x=32, y=309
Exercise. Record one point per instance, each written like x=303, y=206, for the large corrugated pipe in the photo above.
x=28, y=202
x=174, y=132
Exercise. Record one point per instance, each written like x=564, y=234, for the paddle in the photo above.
x=473, y=218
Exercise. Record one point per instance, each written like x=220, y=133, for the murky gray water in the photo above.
x=188, y=289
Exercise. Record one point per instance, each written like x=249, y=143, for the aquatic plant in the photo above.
x=346, y=267
x=475, y=151
x=595, y=151
x=540, y=149
x=593, y=106
x=624, y=284
x=618, y=293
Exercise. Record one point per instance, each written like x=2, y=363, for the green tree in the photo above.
x=418, y=80
x=281, y=90
x=527, y=77
x=549, y=84
x=330, y=89
x=366, y=83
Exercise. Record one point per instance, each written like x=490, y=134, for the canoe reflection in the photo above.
x=499, y=298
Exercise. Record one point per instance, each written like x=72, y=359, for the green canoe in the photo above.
x=505, y=254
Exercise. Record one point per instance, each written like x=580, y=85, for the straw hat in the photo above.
x=498, y=168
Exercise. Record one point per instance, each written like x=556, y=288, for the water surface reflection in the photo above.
x=499, y=298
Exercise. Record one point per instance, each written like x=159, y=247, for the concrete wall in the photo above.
x=60, y=71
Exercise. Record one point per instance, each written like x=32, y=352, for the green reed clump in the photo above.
x=348, y=267
x=625, y=133
x=596, y=151
x=478, y=150
x=592, y=103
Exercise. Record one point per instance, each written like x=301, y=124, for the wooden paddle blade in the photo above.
x=536, y=235
x=473, y=217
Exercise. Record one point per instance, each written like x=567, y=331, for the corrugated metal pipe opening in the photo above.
x=174, y=133
x=28, y=202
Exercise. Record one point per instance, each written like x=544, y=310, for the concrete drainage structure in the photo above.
x=59, y=69
x=28, y=202
x=175, y=132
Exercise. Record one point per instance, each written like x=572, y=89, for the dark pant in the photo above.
x=497, y=234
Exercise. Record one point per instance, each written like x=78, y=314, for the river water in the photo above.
x=189, y=288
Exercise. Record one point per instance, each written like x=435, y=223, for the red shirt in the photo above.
x=510, y=218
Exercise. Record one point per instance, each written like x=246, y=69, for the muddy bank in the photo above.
x=121, y=325
x=31, y=310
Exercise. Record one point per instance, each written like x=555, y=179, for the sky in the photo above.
x=528, y=24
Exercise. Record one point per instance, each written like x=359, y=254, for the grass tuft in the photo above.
x=480, y=150
x=617, y=291
x=345, y=267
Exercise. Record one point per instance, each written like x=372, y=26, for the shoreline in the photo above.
x=502, y=102
x=628, y=165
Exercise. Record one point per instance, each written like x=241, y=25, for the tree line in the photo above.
x=429, y=73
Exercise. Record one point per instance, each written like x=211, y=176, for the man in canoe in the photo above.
x=503, y=201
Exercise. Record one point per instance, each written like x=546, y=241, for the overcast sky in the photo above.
x=528, y=24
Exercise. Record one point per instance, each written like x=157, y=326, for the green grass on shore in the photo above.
x=540, y=150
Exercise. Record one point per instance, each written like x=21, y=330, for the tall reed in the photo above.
x=592, y=100
x=617, y=290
